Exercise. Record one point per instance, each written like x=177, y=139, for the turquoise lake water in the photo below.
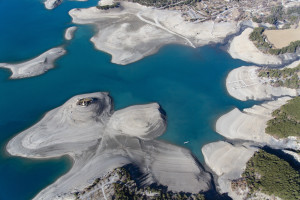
x=188, y=83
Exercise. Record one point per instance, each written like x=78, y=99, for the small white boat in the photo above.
x=186, y=142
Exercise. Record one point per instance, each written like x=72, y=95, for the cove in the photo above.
x=188, y=83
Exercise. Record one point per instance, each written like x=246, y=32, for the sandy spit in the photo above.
x=35, y=66
x=69, y=33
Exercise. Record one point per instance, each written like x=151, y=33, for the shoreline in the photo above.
x=129, y=56
x=165, y=27
x=248, y=125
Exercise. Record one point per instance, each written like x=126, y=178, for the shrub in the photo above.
x=286, y=121
x=274, y=176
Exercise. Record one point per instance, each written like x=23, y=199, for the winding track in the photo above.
x=157, y=24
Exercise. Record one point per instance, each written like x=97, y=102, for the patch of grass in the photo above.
x=286, y=77
x=259, y=39
x=271, y=175
x=286, y=121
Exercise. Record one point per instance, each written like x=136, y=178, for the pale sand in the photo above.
x=228, y=162
x=69, y=33
x=282, y=38
x=99, y=140
x=250, y=125
x=35, y=66
x=241, y=47
x=243, y=83
x=132, y=31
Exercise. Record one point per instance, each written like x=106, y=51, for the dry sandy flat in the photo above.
x=282, y=38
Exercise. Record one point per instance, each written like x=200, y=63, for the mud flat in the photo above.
x=228, y=162
x=131, y=31
x=88, y=129
x=36, y=66
x=243, y=83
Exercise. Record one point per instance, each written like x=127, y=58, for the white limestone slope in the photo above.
x=99, y=140
x=132, y=31
x=228, y=162
x=69, y=33
x=243, y=83
x=250, y=125
x=241, y=47
x=35, y=66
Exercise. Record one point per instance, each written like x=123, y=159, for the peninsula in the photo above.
x=35, y=66
x=88, y=129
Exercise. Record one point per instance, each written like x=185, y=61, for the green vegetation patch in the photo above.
x=286, y=77
x=271, y=175
x=286, y=120
x=260, y=41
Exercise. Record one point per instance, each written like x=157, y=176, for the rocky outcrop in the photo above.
x=100, y=139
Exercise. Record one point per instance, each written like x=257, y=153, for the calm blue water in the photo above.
x=188, y=84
